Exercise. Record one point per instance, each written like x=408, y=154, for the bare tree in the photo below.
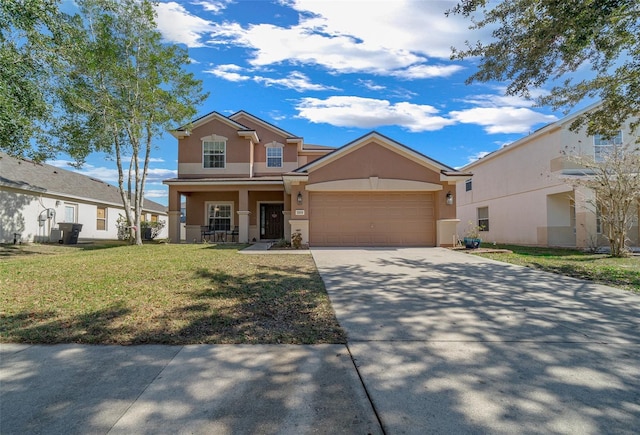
x=614, y=177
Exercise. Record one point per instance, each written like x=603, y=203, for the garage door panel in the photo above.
x=372, y=219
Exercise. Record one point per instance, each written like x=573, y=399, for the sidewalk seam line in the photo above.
x=366, y=391
x=133, y=402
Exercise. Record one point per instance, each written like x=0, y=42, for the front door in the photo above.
x=271, y=221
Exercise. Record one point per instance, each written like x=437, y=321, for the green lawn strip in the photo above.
x=161, y=293
x=601, y=268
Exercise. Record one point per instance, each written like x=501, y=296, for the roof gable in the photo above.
x=185, y=130
x=382, y=140
x=262, y=123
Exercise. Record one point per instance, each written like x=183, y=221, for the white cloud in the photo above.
x=426, y=71
x=393, y=38
x=212, y=6
x=228, y=72
x=306, y=45
x=155, y=193
x=296, y=81
x=502, y=119
x=477, y=156
x=500, y=99
x=179, y=26
x=347, y=111
x=415, y=25
x=369, y=84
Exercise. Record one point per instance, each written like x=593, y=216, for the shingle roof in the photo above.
x=43, y=178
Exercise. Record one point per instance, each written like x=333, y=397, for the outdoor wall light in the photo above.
x=299, y=198
x=449, y=198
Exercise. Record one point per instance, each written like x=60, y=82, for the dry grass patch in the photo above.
x=171, y=294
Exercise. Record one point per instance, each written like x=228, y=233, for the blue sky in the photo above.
x=331, y=71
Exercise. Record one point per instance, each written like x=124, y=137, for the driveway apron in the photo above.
x=447, y=342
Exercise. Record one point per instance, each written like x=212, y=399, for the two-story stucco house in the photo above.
x=522, y=193
x=242, y=172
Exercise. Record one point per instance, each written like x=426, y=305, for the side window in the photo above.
x=483, y=218
x=70, y=213
x=467, y=185
x=214, y=152
x=101, y=219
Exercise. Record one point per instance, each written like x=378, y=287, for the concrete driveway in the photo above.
x=447, y=342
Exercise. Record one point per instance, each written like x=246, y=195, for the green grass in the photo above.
x=601, y=268
x=161, y=293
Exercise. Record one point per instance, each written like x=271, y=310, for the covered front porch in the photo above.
x=242, y=210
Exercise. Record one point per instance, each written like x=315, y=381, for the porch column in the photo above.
x=174, y=215
x=243, y=216
x=174, y=226
x=585, y=220
x=287, y=216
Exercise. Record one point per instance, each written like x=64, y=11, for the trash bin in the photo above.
x=70, y=233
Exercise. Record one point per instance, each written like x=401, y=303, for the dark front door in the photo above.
x=271, y=221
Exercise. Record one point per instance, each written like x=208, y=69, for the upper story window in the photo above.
x=274, y=154
x=467, y=185
x=602, y=145
x=214, y=151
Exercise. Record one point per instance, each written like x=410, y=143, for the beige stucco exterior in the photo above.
x=525, y=190
x=378, y=192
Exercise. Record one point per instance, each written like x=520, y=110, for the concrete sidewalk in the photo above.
x=199, y=389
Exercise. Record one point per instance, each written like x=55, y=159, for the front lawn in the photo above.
x=161, y=293
x=617, y=272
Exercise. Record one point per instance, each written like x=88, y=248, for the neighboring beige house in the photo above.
x=242, y=172
x=35, y=198
x=521, y=195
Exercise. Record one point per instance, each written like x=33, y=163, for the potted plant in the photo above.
x=472, y=238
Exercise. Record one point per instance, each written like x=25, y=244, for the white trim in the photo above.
x=227, y=182
x=214, y=138
x=373, y=184
x=200, y=170
x=274, y=144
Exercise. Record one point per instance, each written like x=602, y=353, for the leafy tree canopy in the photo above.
x=540, y=41
x=29, y=31
x=121, y=89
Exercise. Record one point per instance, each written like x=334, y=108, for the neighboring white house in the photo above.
x=518, y=193
x=36, y=197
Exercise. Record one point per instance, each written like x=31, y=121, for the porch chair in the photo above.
x=205, y=231
x=234, y=234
